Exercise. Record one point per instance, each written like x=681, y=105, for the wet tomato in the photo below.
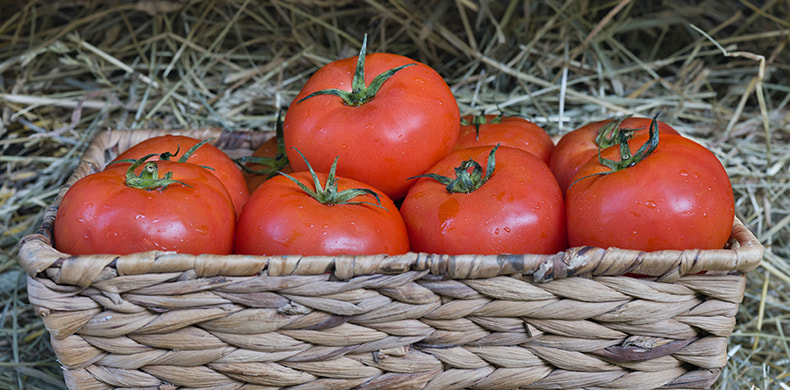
x=297, y=215
x=128, y=208
x=677, y=196
x=206, y=155
x=386, y=116
x=516, y=206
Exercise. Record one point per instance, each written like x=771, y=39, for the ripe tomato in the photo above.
x=677, y=197
x=518, y=209
x=207, y=155
x=512, y=131
x=338, y=218
x=101, y=214
x=384, y=126
x=574, y=149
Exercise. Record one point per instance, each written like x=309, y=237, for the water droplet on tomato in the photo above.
x=507, y=229
x=202, y=229
x=650, y=204
x=683, y=172
x=496, y=231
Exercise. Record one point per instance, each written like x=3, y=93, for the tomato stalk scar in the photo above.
x=360, y=94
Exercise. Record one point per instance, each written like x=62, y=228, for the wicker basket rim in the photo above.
x=37, y=254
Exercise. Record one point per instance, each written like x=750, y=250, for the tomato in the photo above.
x=677, y=197
x=577, y=147
x=393, y=126
x=512, y=131
x=207, y=155
x=102, y=214
x=338, y=218
x=517, y=208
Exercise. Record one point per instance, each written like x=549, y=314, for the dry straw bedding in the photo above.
x=716, y=70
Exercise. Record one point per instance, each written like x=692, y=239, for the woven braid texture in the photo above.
x=570, y=320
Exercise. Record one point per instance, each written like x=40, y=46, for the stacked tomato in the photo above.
x=373, y=157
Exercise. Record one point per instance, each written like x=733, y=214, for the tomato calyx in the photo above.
x=480, y=119
x=627, y=159
x=466, y=181
x=610, y=133
x=272, y=164
x=167, y=156
x=328, y=193
x=360, y=94
x=149, y=177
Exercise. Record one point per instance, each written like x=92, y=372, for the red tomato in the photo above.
x=574, y=149
x=519, y=209
x=512, y=131
x=678, y=197
x=100, y=213
x=280, y=218
x=222, y=166
x=405, y=127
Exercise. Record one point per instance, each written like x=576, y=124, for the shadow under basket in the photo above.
x=574, y=319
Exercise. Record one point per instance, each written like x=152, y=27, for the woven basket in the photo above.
x=159, y=320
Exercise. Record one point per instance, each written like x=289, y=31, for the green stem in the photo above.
x=466, y=181
x=480, y=119
x=272, y=164
x=149, y=177
x=627, y=159
x=360, y=94
x=328, y=193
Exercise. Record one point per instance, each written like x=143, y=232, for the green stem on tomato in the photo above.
x=610, y=133
x=466, y=181
x=328, y=193
x=167, y=156
x=272, y=164
x=480, y=119
x=627, y=159
x=149, y=177
x=360, y=94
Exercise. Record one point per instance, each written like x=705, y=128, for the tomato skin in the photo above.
x=281, y=219
x=100, y=214
x=512, y=131
x=519, y=210
x=207, y=155
x=679, y=197
x=577, y=147
x=411, y=123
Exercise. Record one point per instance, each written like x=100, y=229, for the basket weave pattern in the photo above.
x=415, y=321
